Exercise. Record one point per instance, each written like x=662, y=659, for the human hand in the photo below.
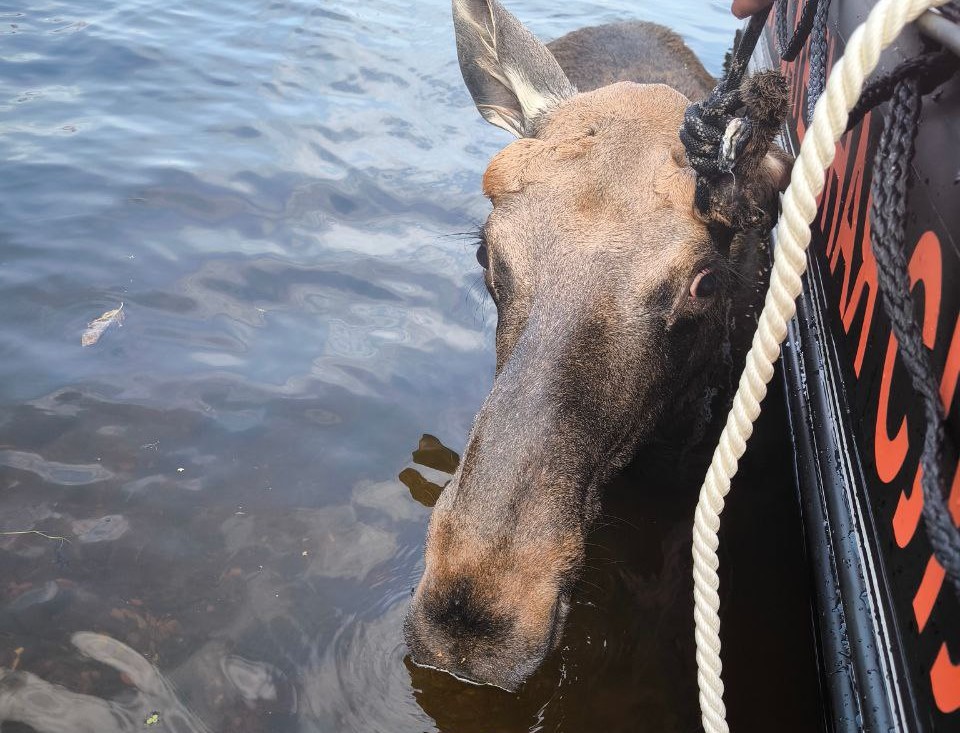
x=743, y=8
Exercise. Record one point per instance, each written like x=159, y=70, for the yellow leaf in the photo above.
x=96, y=328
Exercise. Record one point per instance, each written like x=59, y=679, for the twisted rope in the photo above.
x=888, y=216
x=813, y=19
x=790, y=47
x=884, y=23
x=818, y=58
x=928, y=71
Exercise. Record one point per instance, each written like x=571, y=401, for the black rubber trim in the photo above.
x=867, y=687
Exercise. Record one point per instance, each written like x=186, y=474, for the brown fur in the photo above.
x=593, y=246
x=634, y=51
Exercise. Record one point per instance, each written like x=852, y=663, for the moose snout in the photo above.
x=489, y=610
x=480, y=641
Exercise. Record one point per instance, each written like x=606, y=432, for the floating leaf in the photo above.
x=152, y=719
x=95, y=329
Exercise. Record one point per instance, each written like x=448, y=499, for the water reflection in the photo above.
x=430, y=454
x=49, y=708
x=292, y=619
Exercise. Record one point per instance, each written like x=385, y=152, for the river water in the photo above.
x=213, y=516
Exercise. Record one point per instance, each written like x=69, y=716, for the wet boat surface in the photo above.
x=886, y=618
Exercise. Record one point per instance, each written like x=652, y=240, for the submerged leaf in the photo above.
x=95, y=329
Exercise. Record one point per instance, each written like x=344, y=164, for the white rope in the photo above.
x=884, y=23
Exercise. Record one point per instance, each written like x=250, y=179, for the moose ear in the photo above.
x=777, y=166
x=511, y=76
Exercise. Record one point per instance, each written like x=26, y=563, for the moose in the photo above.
x=615, y=301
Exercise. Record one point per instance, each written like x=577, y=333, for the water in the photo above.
x=269, y=189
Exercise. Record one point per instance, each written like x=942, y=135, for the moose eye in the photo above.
x=480, y=237
x=705, y=284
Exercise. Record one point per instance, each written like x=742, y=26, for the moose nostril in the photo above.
x=460, y=632
x=461, y=613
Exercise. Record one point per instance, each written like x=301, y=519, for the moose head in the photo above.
x=614, y=299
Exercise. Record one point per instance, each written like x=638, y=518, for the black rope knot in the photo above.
x=727, y=135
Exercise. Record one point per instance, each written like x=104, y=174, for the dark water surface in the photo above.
x=269, y=189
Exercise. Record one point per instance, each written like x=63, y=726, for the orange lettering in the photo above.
x=908, y=511
x=951, y=370
x=866, y=280
x=927, y=592
x=845, y=235
x=889, y=454
x=926, y=265
x=945, y=681
x=907, y=514
x=844, y=238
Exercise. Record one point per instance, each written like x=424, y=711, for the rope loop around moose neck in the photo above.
x=882, y=26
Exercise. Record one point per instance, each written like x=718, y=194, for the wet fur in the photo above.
x=592, y=244
x=637, y=51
